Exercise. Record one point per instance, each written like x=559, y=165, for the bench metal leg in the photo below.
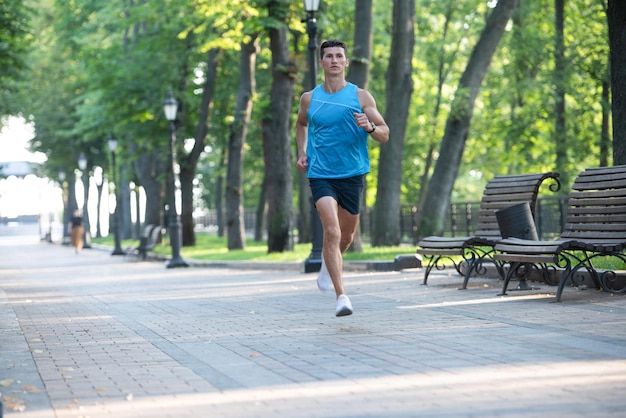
x=432, y=262
x=475, y=257
x=513, y=268
x=472, y=265
x=521, y=270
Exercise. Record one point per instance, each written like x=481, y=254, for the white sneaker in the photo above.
x=324, y=283
x=344, y=306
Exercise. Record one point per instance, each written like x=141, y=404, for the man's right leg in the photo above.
x=331, y=252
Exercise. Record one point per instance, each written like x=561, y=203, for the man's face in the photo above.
x=334, y=60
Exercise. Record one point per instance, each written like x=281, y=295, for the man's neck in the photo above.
x=334, y=84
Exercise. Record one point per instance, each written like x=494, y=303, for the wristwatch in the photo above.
x=373, y=127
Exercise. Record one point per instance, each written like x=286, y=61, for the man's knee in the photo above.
x=346, y=240
x=332, y=234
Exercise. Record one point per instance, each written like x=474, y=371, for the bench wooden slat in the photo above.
x=605, y=210
x=525, y=258
x=601, y=182
x=594, y=221
x=597, y=201
x=590, y=234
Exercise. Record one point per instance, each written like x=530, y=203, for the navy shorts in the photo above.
x=347, y=192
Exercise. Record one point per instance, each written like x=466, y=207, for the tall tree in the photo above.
x=560, y=83
x=438, y=57
x=235, y=228
x=276, y=139
x=359, y=71
x=458, y=123
x=399, y=89
x=616, y=14
x=189, y=162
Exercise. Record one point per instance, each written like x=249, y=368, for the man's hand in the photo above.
x=302, y=164
x=362, y=121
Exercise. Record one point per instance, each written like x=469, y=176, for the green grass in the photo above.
x=210, y=247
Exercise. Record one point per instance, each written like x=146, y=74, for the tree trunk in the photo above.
x=358, y=73
x=458, y=123
x=99, y=188
x=605, y=136
x=86, y=220
x=304, y=221
x=261, y=212
x=219, y=198
x=150, y=169
x=189, y=162
x=560, y=83
x=305, y=234
x=72, y=205
x=187, y=224
x=235, y=228
x=126, y=231
x=617, y=41
x=399, y=90
x=277, y=150
x=359, y=69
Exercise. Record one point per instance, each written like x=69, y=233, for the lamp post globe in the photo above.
x=170, y=107
x=117, y=215
x=314, y=262
x=112, y=143
x=311, y=5
x=82, y=162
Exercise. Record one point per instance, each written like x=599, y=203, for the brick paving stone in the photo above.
x=102, y=336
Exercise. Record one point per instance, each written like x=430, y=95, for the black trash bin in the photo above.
x=517, y=222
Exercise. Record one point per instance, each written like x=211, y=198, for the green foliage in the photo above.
x=15, y=42
x=98, y=67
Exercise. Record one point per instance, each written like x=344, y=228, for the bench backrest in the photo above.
x=147, y=230
x=596, y=208
x=155, y=235
x=505, y=191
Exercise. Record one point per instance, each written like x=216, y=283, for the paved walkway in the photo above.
x=95, y=335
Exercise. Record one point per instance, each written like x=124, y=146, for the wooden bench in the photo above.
x=150, y=237
x=595, y=226
x=501, y=192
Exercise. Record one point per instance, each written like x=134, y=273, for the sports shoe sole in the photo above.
x=345, y=311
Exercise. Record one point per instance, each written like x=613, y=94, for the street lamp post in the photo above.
x=112, y=142
x=314, y=262
x=82, y=165
x=170, y=107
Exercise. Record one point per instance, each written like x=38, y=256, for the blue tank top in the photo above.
x=337, y=147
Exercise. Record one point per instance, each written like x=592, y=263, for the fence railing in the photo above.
x=460, y=220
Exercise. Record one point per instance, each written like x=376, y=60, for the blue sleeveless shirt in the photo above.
x=337, y=147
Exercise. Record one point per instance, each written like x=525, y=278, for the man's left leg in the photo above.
x=347, y=225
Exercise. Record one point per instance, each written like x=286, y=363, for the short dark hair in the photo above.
x=332, y=43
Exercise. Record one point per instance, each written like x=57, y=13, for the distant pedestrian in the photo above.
x=334, y=123
x=76, y=230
